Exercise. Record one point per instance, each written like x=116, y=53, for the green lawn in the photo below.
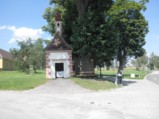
x=140, y=74
x=94, y=84
x=13, y=80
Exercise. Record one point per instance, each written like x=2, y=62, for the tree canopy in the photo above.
x=29, y=53
x=131, y=28
x=99, y=30
x=85, y=28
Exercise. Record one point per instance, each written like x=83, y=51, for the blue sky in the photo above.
x=20, y=19
x=152, y=16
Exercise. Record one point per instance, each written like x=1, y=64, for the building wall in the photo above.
x=66, y=68
x=52, y=58
x=6, y=64
x=1, y=63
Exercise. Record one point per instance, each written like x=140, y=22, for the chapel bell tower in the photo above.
x=58, y=23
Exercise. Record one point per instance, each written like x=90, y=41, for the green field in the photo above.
x=13, y=80
x=140, y=74
x=94, y=84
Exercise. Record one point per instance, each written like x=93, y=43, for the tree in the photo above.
x=140, y=62
x=47, y=42
x=29, y=53
x=37, y=55
x=86, y=29
x=153, y=61
x=131, y=28
x=21, y=55
x=88, y=34
x=17, y=58
x=94, y=40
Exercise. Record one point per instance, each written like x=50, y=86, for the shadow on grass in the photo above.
x=113, y=75
x=39, y=72
x=113, y=78
x=110, y=78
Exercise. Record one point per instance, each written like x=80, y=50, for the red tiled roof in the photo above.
x=5, y=54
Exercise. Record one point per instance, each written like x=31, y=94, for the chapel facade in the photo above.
x=58, y=54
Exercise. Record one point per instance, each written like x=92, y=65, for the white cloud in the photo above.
x=22, y=33
x=2, y=27
x=7, y=27
x=12, y=28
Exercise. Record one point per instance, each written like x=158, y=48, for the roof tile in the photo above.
x=58, y=43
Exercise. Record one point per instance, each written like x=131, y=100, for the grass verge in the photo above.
x=13, y=80
x=95, y=85
x=139, y=74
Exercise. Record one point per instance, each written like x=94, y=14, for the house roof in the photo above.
x=5, y=54
x=58, y=43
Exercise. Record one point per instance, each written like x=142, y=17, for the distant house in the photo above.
x=6, y=60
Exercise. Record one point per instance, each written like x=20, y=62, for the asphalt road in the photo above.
x=62, y=99
x=154, y=77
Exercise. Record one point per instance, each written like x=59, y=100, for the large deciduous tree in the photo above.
x=86, y=29
x=96, y=30
x=90, y=37
x=131, y=28
x=29, y=53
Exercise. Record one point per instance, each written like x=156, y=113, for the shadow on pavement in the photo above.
x=112, y=79
x=126, y=83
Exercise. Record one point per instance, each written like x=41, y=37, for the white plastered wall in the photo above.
x=59, y=57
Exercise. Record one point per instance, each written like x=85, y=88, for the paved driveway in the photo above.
x=62, y=99
x=59, y=86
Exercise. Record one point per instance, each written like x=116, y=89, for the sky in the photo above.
x=20, y=19
x=152, y=16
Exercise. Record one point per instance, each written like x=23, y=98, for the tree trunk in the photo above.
x=121, y=64
x=86, y=63
x=100, y=71
x=82, y=6
x=76, y=65
x=34, y=70
x=27, y=69
x=87, y=66
x=121, y=59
